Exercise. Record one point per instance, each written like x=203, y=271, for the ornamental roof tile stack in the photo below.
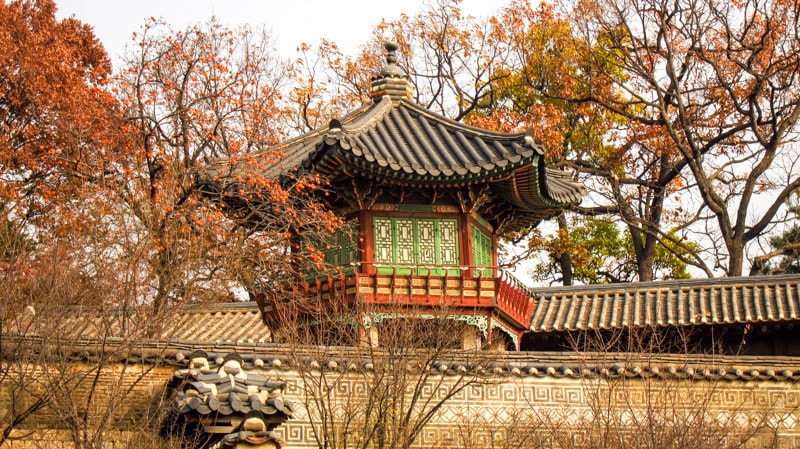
x=230, y=399
x=228, y=389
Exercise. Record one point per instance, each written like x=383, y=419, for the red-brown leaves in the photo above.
x=56, y=121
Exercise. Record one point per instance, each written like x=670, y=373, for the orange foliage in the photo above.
x=207, y=109
x=56, y=120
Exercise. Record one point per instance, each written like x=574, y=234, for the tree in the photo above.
x=450, y=58
x=622, y=166
x=55, y=119
x=77, y=361
x=193, y=97
x=130, y=226
x=54, y=111
x=600, y=253
x=785, y=246
x=329, y=84
x=713, y=84
x=73, y=284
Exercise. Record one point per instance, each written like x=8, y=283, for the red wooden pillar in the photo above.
x=366, y=242
x=465, y=243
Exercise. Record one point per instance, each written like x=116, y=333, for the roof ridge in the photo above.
x=367, y=121
x=673, y=283
x=321, y=130
x=215, y=306
x=478, y=131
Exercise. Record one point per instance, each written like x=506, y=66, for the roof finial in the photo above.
x=392, y=80
x=391, y=69
x=391, y=47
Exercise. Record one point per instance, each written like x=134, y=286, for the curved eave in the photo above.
x=339, y=157
x=301, y=152
x=535, y=187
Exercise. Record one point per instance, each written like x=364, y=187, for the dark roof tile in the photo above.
x=233, y=388
x=672, y=303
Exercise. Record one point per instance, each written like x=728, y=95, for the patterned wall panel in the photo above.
x=481, y=249
x=426, y=232
x=540, y=406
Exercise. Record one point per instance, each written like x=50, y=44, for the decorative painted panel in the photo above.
x=448, y=242
x=426, y=244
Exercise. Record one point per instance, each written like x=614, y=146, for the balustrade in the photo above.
x=473, y=287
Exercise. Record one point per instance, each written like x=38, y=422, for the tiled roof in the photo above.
x=222, y=329
x=211, y=324
x=222, y=323
x=760, y=299
x=398, y=141
x=402, y=142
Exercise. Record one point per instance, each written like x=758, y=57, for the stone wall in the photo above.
x=129, y=396
x=521, y=401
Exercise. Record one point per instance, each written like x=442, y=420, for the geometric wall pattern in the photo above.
x=548, y=412
x=514, y=409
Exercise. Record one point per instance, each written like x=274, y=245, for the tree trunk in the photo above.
x=644, y=264
x=566, y=268
x=735, y=258
x=564, y=259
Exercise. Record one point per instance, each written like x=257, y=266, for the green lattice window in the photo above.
x=481, y=251
x=416, y=241
x=341, y=249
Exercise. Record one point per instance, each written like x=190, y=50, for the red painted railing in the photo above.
x=514, y=298
x=425, y=286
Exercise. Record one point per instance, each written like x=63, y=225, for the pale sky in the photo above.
x=349, y=23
